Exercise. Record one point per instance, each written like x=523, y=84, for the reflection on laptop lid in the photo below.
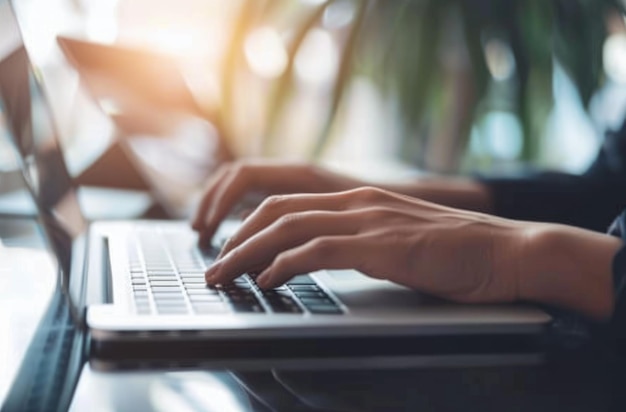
x=34, y=134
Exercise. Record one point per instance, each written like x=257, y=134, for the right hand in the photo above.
x=454, y=254
x=234, y=180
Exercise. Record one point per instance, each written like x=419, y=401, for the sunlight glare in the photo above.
x=339, y=14
x=499, y=59
x=265, y=53
x=193, y=391
x=44, y=21
x=174, y=40
x=318, y=59
x=101, y=21
x=614, y=56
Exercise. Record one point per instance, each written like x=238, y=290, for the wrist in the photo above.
x=568, y=267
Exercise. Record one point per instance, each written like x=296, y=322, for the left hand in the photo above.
x=458, y=255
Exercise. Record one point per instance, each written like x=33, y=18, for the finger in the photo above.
x=286, y=233
x=331, y=252
x=270, y=179
x=244, y=214
x=207, y=198
x=277, y=206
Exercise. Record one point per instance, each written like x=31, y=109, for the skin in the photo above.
x=405, y=234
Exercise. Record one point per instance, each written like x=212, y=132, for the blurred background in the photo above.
x=373, y=87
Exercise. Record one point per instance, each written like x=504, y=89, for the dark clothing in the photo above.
x=591, y=200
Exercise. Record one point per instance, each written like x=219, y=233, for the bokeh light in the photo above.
x=318, y=59
x=265, y=52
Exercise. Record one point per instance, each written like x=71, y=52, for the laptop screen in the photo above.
x=34, y=134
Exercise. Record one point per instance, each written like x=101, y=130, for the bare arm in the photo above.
x=456, y=254
x=569, y=267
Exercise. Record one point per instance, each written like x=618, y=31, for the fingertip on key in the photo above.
x=263, y=280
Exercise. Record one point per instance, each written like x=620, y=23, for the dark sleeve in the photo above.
x=590, y=200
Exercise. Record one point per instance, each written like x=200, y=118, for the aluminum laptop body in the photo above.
x=365, y=322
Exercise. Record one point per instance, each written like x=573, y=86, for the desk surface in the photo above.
x=576, y=382
x=489, y=389
x=27, y=283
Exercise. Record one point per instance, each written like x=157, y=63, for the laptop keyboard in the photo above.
x=167, y=278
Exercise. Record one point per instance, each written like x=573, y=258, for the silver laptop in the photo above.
x=138, y=286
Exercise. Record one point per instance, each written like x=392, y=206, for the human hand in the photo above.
x=458, y=255
x=234, y=180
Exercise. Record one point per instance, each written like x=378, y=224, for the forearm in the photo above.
x=568, y=267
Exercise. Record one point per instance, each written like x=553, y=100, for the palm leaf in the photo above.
x=343, y=75
x=282, y=89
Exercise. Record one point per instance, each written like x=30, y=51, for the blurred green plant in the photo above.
x=434, y=57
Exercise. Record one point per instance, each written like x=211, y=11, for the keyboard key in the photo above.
x=325, y=309
x=286, y=309
x=283, y=304
x=202, y=291
x=156, y=272
x=296, y=288
x=317, y=301
x=173, y=297
x=209, y=308
x=162, y=276
x=283, y=299
x=241, y=280
x=301, y=280
x=204, y=298
x=234, y=286
x=312, y=296
x=170, y=302
x=191, y=270
x=201, y=286
x=239, y=297
x=159, y=283
x=248, y=308
x=157, y=289
x=174, y=310
x=192, y=274
x=277, y=293
x=237, y=291
x=141, y=302
x=188, y=281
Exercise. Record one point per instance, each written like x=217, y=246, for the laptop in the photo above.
x=138, y=289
